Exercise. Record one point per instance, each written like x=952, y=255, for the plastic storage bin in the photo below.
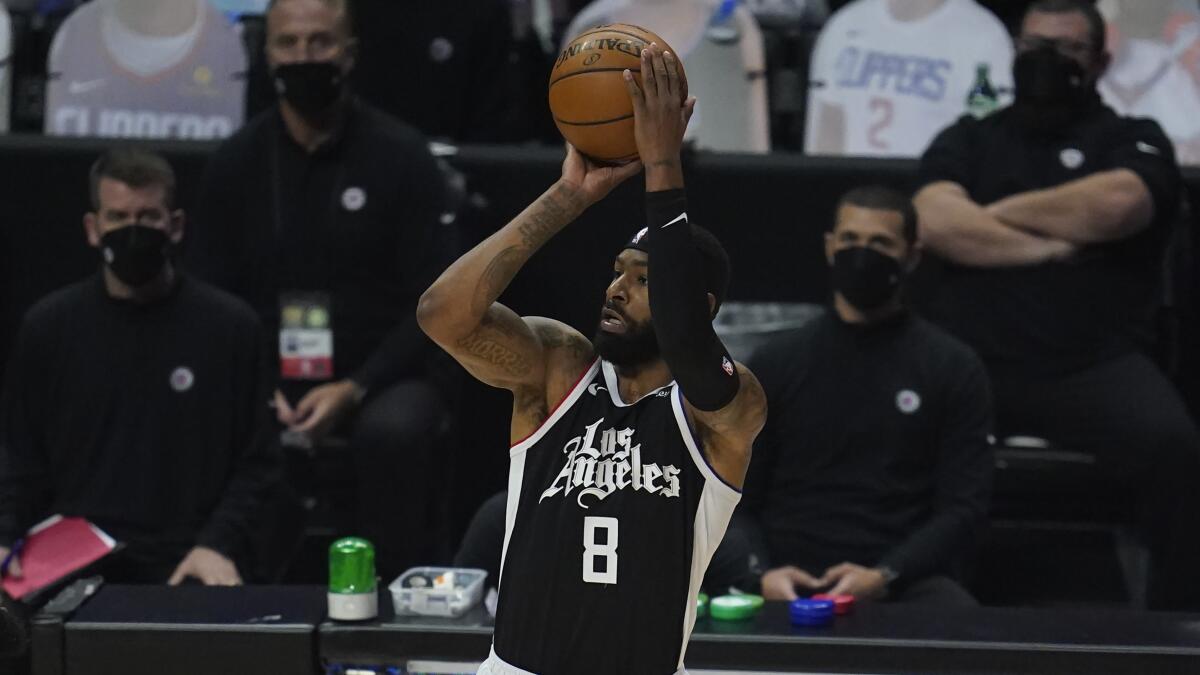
x=426, y=591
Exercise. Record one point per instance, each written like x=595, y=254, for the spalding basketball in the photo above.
x=588, y=95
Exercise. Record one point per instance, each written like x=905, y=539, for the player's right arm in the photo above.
x=459, y=311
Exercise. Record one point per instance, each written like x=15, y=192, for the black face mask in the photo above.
x=312, y=87
x=867, y=278
x=1051, y=89
x=136, y=254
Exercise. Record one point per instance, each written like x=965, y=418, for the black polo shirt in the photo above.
x=1059, y=316
x=876, y=448
x=357, y=219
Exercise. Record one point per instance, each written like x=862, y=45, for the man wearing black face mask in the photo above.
x=871, y=477
x=138, y=399
x=323, y=213
x=1051, y=217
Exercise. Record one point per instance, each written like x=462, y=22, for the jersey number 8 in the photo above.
x=593, y=551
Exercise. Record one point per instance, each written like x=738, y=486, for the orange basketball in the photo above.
x=588, y=96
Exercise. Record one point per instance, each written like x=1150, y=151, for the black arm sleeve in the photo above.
x=679, y=306
x=25, y=488
x=964, y=482
x=258, y=462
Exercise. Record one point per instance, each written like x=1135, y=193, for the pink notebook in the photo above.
x=55, y=548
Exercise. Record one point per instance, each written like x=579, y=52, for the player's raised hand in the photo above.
x=660, y=114
x=592, y=181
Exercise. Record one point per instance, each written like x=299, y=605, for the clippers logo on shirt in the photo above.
x=908, y=401
x=354, y=199
x=599, y=463
x=896, y=83
x=1071, y=158
x=182, y=379
x=110, y=81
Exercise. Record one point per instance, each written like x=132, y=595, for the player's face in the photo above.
x=625, y=335
x=876, y=229
x=1067, y=32
x=308, y=30
x=121, y=205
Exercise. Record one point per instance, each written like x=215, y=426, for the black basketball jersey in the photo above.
x=613, y=516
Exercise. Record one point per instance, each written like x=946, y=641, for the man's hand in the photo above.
x=660, y=117
x=210, y=567
x=592, y=182
x=781, y=583
x=864, y=583
x=323, y=407
x=283, y=410
x=14, y=566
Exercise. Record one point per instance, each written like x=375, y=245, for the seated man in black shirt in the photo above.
x=1051, y=216
x=137, y=399
x=873, y=473
x=323, y=213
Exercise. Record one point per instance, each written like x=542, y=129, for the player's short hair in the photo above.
x=1097, y=32
x=885, y=199
x=716, y=268
x=135, y=168
x=346, y=7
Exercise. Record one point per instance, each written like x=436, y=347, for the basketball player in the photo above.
x=146, y=69
x=628, y=450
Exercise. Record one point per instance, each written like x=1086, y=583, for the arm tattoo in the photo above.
x=547, y=218
x=545, y=221
x=496, y=277
x=483, y=344
x=554, y=338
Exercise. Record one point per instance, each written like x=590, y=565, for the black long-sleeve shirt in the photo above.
x=454, y=56
x=150, y=420
x=357, y=219
x=876, y=451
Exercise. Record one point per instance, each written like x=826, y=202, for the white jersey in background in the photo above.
x=6, y=69
x=884, y=87
x=1155, y=70
x=107, y=79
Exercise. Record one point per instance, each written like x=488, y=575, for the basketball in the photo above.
x=588, y=96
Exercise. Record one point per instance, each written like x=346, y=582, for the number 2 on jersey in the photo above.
x=882, y=112
x=593, y=551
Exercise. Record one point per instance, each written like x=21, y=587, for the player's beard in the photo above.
x=637, y=346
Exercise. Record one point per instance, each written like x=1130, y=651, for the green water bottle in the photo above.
x=352, y=594
x=982, y=99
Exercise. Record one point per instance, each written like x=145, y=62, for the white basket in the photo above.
x=466, y=592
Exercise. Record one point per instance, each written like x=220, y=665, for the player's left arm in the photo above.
x=724, y=399
x=1110, y=205
x=728, y=433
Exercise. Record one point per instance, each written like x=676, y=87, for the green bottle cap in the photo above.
x=351, y=566
x=735, y=607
